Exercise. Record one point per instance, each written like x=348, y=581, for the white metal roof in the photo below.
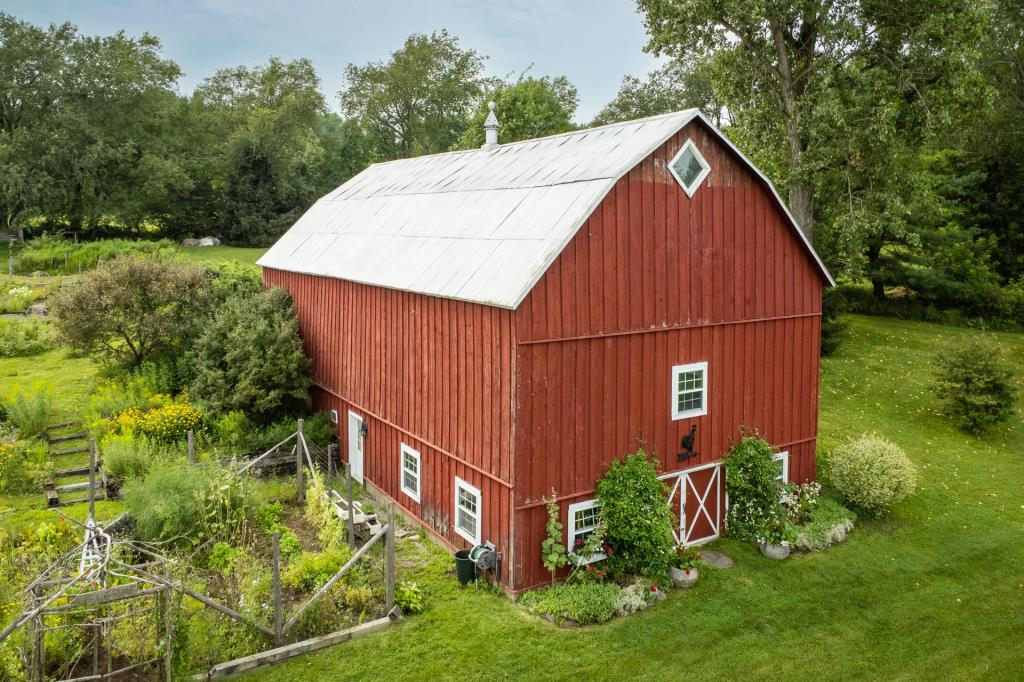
x=480, y=225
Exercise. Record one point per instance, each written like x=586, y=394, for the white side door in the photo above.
x=355, y=446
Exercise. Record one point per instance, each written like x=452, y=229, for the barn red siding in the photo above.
x=655, y=279
x=433, y=373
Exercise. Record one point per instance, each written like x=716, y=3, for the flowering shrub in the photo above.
x=164, y=424
x=800, y=501
x=872, y=473
x=23, y=466
x=753, y=490
x=775, y=530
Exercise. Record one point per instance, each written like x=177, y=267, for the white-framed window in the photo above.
x=782, y=463
x=410, y=472
x=468, y=507
x=334, y=416
x=689, y=390
x=689, y=168
x=582, y=522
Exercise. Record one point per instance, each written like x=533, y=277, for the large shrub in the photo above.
x=636, y=516
x=130, y=310
x=30, y=410
x=871, y=473
x=249, y=357
x=750, y=478
x=975, y=384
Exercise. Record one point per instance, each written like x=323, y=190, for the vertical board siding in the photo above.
x=655, y=279
x=434, y=374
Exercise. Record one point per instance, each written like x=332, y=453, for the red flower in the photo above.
x=590, y=568
x=654, y=588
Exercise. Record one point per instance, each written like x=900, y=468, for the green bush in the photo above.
x=23, y=466
x=30, y=411
x=871, y=473
x=310, y=570
x=21, y=338
x=584, y=603
x=636, y=516
x=753, y=489
x=830, y=522
x=126, y=458
x=975, y=384
x=249, y=357
x=409, y=597
x=55, y=256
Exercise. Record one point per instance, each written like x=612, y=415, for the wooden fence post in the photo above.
x=300, y=482
x=191, y=438
x=92, y=478
x=330, y=469
x=277, y=588
x=351, y=509
x=390, y=563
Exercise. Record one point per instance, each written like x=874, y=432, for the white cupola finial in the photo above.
x=490, y=128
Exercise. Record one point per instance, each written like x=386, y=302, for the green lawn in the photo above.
x=934, y=591
x=219, y=254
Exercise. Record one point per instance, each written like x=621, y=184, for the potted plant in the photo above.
x=683, y=567
x=775, y=537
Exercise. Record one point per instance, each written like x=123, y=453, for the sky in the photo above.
x=592, y=42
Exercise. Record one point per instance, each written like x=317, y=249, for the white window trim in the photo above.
x=676, y=371
x=570, y=539
x=334, y=416
x=402, y=452
x=784, y=458
x=700, y=178
x=461, y=484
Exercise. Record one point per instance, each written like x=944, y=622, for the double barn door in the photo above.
x=697, y=499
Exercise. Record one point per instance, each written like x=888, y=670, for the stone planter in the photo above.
x=683, y=578
x=776, y=552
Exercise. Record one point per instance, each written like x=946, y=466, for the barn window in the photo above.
x=782, y=467
x=689, y=168
x=467, y=511
x=334, y=416
x=689, y=390
x=410, y=472
x=583, y=518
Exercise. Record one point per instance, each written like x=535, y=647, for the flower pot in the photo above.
x=776, y=552
x=683, y=578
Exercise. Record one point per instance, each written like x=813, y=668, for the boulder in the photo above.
x=209, y=241
x=38, y=309
x=39, y=273
x=190, y=242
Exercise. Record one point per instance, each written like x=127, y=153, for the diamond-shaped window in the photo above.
x=689, y=168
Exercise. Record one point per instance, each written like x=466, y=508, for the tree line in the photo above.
x=895, y=130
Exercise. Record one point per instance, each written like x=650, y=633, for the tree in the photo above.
x=782, y=64
x=130, y=310
x=527, y=108
x=249, y=357
x=679, y=84
x=418, y=102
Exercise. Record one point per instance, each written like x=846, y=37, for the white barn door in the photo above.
x=355, y=446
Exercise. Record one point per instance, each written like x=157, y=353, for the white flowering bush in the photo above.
x=872, y=473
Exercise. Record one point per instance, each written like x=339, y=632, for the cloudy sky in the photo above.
x=593, y=42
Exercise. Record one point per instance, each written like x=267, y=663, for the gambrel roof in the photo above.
x=480, y=225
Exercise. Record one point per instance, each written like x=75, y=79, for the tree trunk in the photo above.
x=878, y=288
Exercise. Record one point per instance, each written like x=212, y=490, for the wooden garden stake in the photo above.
x=390, y=552
x=300, y=482
x=351, y=509
x=92, y=478
x=191, y=437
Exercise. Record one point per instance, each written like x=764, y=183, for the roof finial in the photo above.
x=490, y=128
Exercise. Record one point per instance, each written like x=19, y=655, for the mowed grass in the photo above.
x=211, y=255
x=933, y=591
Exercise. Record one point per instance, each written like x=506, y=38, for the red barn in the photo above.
x=493, y=324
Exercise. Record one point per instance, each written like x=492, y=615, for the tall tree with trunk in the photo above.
x=526, y=108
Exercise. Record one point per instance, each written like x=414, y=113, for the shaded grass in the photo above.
x=934, y=590
x=212, y=255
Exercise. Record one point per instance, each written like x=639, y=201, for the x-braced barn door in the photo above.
x=697, y=498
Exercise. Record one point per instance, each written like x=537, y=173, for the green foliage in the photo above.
x=220, y=556
x=56, y=256
x=409, y=597
x=418, y=102
x=249, y=357
x=527, y=108
x=23, y=466
x=126, y=457
x=975, y=384
x=188, y=504
x=552, y=550
x=680, y=84
x=311, y=570
x=832, y=323
x=686, y=558
x=130, y=310
x=30, y=410
x=871, y=473
x=584, y=603
x=636, y=515
x=800, y=501
x=829, y=523
x=20, y=338
x=753, y=490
